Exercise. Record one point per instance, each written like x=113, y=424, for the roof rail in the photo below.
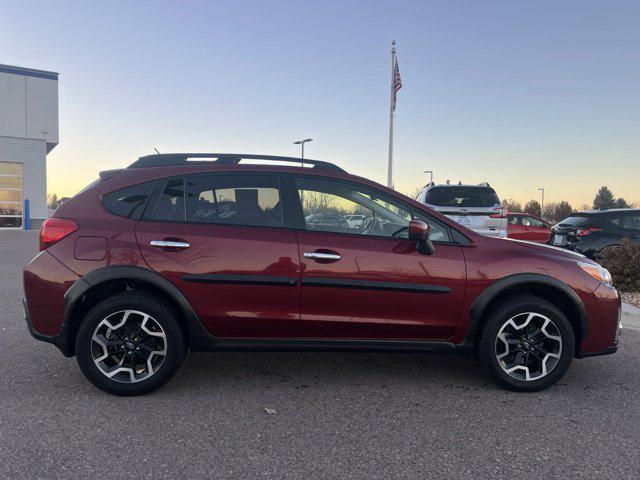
x=170, y=159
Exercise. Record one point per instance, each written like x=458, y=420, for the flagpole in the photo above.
x=390, y=162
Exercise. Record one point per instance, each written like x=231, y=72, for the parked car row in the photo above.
x=209, y=253
x=592, y=232
x=478, y=207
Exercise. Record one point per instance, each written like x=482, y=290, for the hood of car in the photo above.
x=562, y=252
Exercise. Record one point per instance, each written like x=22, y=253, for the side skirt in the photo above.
x=320, y=345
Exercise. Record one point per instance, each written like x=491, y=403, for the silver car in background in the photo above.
x=475, y=206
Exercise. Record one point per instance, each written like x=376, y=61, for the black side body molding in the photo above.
x=373, y=285
x=240, y=279
x=328, y=345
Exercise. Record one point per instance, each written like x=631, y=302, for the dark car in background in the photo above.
x=591, y=232
x=207, y=252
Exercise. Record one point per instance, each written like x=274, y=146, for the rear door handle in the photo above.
x=331, y=257
x=169, y=244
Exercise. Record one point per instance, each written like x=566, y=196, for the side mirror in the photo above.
x=419, y=232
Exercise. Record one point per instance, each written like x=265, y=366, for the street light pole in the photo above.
x=431, y=173
x=301, y=143
x=541, y=189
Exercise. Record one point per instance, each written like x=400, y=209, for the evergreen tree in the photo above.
x=621, y=203
x=604, y=199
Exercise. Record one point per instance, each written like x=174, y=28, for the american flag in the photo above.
x=397, y=82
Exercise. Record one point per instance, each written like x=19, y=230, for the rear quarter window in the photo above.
x=128, y=202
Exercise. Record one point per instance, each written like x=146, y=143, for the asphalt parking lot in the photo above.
x=336, y=415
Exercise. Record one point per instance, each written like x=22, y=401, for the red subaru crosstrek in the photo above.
x=220, y=252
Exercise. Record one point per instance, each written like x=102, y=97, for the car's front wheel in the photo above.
x=130, y=344
x=527, y=343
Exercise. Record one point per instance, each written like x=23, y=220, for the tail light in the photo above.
x=55, y=229
x=501, y=212
x=583, y=232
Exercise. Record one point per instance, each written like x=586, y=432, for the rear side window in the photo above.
x=462, y=197
x=170, y=203
x=628, y=222
x=252, y=200
x=128, y=202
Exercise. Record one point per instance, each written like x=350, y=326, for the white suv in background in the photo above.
x=475, y=206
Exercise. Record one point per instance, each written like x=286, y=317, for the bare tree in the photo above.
x=319, y=202
x=562, y=211
x=533, y=207
x=512, y=205
x=549, y=211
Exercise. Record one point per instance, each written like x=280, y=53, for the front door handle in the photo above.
x=169, y=244
x=330, y=257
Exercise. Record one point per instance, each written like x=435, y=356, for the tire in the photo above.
x=555, y=338
x=150, y=356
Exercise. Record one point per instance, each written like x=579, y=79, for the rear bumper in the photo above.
x=59, y=340
x=46, y=280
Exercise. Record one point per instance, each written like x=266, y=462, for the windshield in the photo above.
x=458, y=196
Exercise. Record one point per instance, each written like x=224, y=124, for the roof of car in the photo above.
x=451, y=185
x=180, y=159
x=601, y=212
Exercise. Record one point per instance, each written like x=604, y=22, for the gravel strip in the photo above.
x=632, y=298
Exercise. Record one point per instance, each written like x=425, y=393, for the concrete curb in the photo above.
x=630, y=317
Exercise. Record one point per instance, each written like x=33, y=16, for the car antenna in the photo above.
x=156, y=150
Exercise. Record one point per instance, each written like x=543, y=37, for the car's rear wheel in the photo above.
x=130, y=344
x=527, y=343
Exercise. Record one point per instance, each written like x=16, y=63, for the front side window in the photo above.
x=344, y=208
x=251, y=200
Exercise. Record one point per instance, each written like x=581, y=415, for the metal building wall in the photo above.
x=32, y=155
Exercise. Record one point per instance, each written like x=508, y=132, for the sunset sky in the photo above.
x=519, y=94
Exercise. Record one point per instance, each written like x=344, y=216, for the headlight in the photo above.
x=599, y=273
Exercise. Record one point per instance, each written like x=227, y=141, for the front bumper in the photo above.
x=604, y=308
x=59, y=340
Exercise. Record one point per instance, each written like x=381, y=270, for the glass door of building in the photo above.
x=10, y=195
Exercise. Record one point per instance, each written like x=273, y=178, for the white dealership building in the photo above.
x=28, y=132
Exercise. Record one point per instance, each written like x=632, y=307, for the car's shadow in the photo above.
x=240, y=372
x=431, y=371
x=324, y=369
